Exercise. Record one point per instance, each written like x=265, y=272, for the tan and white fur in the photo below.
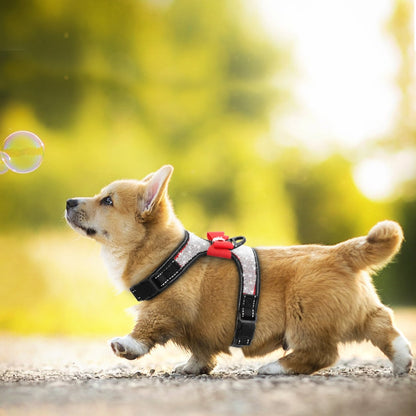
x=313, y=297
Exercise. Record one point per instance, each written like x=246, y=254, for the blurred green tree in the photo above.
x=399, y=285
x=117, y=89
x=328, y=206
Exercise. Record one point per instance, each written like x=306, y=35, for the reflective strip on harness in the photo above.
x=192, y=248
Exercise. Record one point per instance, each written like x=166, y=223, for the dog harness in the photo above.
x=218, y=245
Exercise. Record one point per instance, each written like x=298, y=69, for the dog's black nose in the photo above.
x=71, y=203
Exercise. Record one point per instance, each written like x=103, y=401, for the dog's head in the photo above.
x=123, y=211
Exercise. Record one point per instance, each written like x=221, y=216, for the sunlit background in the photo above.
x=286, y=121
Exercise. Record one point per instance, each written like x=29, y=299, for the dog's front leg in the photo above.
x=150, y=329
x=128, y=347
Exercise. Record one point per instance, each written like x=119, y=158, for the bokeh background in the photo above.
x=287, y=122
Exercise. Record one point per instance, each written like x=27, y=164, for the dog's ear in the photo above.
x=155, y=189
x=148, y=177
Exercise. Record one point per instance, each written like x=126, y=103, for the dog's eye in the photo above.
x=106, y=201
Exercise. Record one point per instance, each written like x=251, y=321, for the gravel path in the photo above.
x=51, y=376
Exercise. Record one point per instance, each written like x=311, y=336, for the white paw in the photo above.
x=192, y=366
x=402, y=358
x=128, y=347
x=273, y=368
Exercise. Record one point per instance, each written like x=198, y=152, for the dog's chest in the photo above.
x=115, y=265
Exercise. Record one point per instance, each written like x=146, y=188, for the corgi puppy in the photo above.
x=312, y=298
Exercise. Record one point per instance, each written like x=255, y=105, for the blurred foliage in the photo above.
x=327, y=207
x=54, y=284
x=399, y=285
x=116, y=89
x=116, y=92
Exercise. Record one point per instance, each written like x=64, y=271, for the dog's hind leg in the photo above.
x=380, y=330
x=196, y=365
x=302, y=361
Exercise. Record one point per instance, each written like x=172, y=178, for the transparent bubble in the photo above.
x=3, y=167
x=22, y=152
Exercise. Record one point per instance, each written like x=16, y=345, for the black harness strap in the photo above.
x=187, y=253
x=162, y=277
x=247, y=308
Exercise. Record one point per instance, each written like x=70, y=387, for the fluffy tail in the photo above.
x=374, y=251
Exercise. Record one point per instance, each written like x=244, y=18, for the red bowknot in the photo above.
x=220, y=247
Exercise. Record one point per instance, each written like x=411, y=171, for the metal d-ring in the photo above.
x=237, y=241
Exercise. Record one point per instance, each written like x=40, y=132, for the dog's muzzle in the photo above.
x=76, y=217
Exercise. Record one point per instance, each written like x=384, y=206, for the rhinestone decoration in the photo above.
x=248, y=263
x=195, y=246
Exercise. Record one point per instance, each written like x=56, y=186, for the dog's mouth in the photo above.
x=89, y=231
x=74, y=221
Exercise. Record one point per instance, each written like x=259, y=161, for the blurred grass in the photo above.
x=54, y=282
